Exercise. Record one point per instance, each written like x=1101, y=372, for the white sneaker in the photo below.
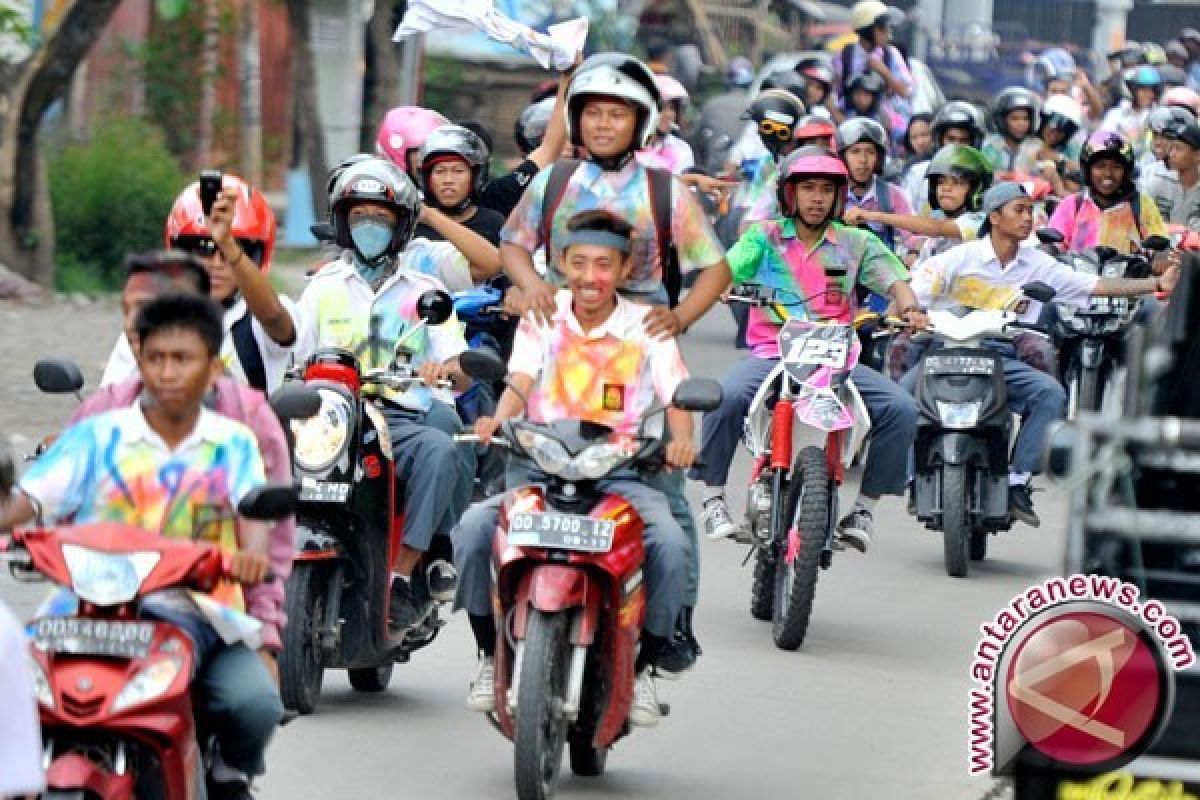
x=482, y=696
x=718, y=522
x=645, y=712
x=855, y=530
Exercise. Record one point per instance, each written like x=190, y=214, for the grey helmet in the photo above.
x=453, y=141
x=619, y=76
x=378, y=180
x=532, y=124
x=863, y=129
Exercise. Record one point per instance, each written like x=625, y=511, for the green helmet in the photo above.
x=963, y=162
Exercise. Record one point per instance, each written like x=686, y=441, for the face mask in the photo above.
x=371, y=238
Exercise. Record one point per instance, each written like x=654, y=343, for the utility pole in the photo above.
x=249, y=65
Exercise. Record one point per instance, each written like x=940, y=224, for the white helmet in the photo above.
x=1064, y=106
x=671, y=89
x=620, y=76
x=866, y=13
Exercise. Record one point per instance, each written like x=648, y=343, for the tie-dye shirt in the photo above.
x=610, y=375
x=758, y=193
x=341, y=310
x=971, y=275
x=1084, y=225
x=113, y=467
x=819, y=283
x=441, y=260
x=625, y=193
x=670, y=153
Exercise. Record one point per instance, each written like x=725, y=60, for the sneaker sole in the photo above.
x=481, y=707
x=647, y=721
x=1029, y=519
x=721, y=533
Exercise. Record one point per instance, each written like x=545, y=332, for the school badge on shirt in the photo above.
x=614, y=397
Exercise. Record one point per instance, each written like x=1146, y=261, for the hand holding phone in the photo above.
x=210, y=189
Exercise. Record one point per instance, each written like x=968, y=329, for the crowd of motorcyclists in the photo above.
x=837, y=193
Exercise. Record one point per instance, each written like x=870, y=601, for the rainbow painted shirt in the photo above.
x=113, y=467
x=1085, y=225
x=610, y=375
x=819, y=283
x=341, y=310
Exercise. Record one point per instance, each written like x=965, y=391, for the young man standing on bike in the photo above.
x=817, y=262
x=164, y=464
x=592, y=360
x=366, y=302
x=988, y=273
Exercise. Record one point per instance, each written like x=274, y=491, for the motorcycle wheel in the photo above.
x=762, y=591
x=586, y=760
x=796, y=583
x=1089, y=390
x=301, y=667
x=956, y=532
x=541, y=728
x=371, y=679
x=979, y=542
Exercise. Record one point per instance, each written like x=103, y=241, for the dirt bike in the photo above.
x=568, y=594
x=792, y=502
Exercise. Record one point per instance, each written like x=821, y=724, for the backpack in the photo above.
x=659, y=183
x=1135, y=205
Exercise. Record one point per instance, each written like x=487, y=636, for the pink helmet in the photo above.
x=404, y=129
x=811, y=161
x=671, y=89
x=1183, y=96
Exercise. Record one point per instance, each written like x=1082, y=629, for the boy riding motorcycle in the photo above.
x=808, y=253
x=164, y=464
x=592, y=360
x=366, y=302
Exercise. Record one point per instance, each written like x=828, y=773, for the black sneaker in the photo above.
x=676, y=657
x=404, y=609
x=1020, y=505
x=229, y=790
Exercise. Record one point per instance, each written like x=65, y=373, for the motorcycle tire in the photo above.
x=541, y=728
x=979, y=544
x=796, y=583
x=956, y=529
x=371, y=679
x=762, y=591
x=301, y=665
x=1090, y=390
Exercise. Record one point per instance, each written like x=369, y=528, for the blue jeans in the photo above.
x=666, y=548
x=1037, y=398
x=893, y=416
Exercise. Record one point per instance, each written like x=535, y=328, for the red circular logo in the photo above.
x=1086, y=688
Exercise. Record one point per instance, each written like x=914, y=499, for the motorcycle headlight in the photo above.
x=598, y=460
x=150, y=682
x=548, y=453
x=959, y=415
x=107, y=579
x=41, y=685
x=321, y=439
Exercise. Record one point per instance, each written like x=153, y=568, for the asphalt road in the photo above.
x=873, y=705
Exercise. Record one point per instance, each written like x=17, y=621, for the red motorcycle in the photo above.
x=568, y=594
x=112, y=685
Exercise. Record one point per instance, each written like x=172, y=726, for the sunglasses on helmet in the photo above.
x=769, y=127
x=205, y=247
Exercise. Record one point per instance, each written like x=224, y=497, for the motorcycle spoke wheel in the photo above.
x=301, y=664
x=541, y=728
x=796, y=583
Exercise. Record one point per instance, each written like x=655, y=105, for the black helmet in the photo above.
x=453, y=141
x=1109, y=144
x=377, y=180
x=787, y=79
x=958, y=114
x=863, y=129
x=781, y=108
x=1012, y=99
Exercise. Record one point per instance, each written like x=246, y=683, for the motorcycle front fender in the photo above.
x=315, y=545
x=551, y=588
x=958, y=448
x=75, y=772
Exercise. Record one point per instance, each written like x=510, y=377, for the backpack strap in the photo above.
x=659, y=182
x=847, y=65
x=249, y=356
x=885, y=205
x=1135, y=204
x=556, y=188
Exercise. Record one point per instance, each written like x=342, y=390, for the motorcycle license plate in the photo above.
x=960, y=365
x=561, y=532
x=93, y=637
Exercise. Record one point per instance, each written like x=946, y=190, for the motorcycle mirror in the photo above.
x=1104, y=253
x=57, y=376
x=323, y=231
x=1060, y=450
x=1156, y=243
x=435, y=307
x=295, y=401
x=1039, y=291
x=8, y=469
x=1050, y=236
x=482, y=365
x=698, y=394
x=269, y=503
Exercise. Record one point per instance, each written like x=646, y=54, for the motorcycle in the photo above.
x=112, y=684
x=964, y=429
x=349, y=528
x=568, y=593
x=481, y=311
x=1092, y=341
x=792, y=502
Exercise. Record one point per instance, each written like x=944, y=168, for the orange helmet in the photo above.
x=253, y=222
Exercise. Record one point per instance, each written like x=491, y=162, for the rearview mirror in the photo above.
x=698, y=394
x=1156, y=243
x=1060, y=447
x=482, y=365
x=1104, y=253
x=269, y=503
x=1039, y=291
x=435, y=307
x=295, y=401
x=323, y=231
x=1050, y=236
x=57, y=376
x=8, y=469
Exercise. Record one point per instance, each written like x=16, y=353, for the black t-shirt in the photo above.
x=503, y=194
x=486, y=222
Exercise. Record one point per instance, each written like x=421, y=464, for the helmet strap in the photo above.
x=612, y=163
x=374, y=272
